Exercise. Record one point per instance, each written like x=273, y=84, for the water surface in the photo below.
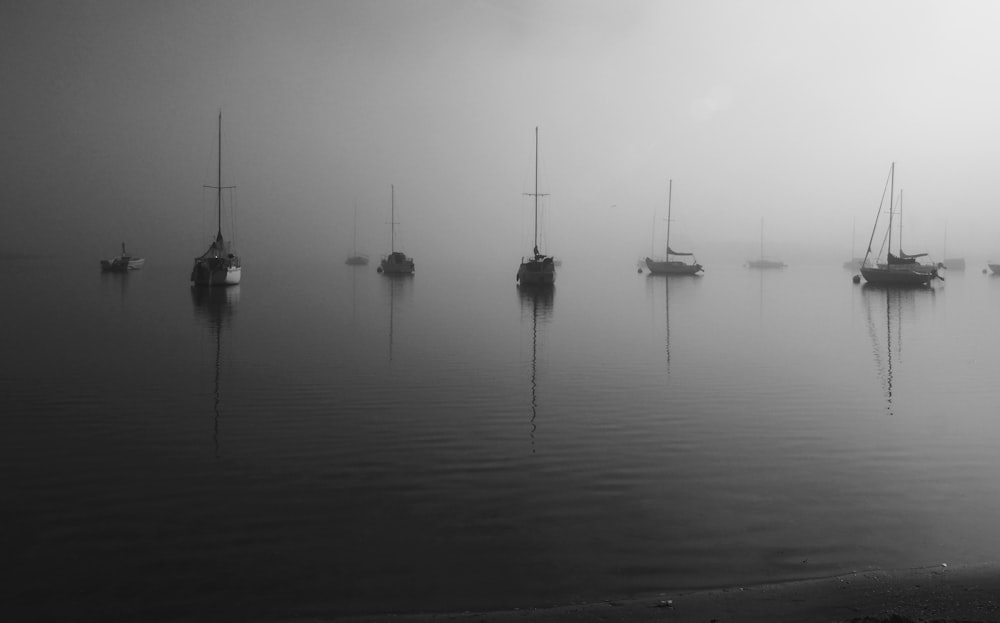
x=335, y=441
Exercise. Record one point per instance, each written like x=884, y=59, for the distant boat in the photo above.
x=898, y=270
x=122, y=263
x=669, y=266
x=995, y=268
x=218, y=266
x=763, y=262
x=855, y=262
x=396, y=263
x=538, y=269
x=357, y=259
x=951, y=263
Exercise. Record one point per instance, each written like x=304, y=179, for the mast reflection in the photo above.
x=536, y=301
x=215, y=307
x=398, y=286
x=885, y=304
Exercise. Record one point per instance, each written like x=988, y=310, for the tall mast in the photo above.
x=219, y=201
x=536, y=187
x=892, y=195
x=219, y=187
x=670, y=193
x=392, y=218
x=762, y=238
x=536, y=194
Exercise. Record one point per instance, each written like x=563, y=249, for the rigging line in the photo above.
x=877, y=214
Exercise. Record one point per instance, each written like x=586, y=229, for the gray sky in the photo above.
x=790, y=111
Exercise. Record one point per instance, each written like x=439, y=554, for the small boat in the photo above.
x=670, y=266
x=356, y=259
x=900, y=269
x=122, y=263
x=218, y=266
x=396, y=263
x=538, y=269
x=763, y=262
x=951, y=263
x=994, y=268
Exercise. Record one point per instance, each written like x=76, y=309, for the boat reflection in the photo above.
x=398, y=286
x=215, y=307
x=536, y=301
x=886, y=304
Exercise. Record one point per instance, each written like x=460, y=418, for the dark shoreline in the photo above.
x=941, y=593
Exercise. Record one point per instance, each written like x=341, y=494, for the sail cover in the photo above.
x=672, y=252
x=905, y=258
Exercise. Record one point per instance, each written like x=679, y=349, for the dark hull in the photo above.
x=672, y=267
x=896, y=277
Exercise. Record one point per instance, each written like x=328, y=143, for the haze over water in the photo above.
x=332, y=442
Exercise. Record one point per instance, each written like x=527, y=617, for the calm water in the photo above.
x=333, y=441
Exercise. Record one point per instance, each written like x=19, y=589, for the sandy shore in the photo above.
x=940, y=593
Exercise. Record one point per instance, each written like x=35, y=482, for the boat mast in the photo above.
x=392, y=218
x=901, y=252
x=535, y=248
x=670, y=193
x=219, y=200
x=762, y=239
x=219, y=187
x=536, y=194
x=892, y=194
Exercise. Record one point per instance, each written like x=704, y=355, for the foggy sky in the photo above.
x=788, y=111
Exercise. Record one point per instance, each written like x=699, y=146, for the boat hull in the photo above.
x=672, y=267
x=216, y=272
x=397, y=263
x=896, y=277
x=766, y=264
x=537, y=271
x=122, y=264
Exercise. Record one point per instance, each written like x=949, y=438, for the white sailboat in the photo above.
x=671, y=266
x=898, y=270
x=218, y=266
x=537, y=269
x=396, y=263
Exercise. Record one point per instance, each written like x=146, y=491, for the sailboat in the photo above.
x=122, y=263
x=218, y=266
x=539, y=269
x=763, y=262
x=898, y=270
x=669, y=266
x=951, y=263
x=357, y=259
x=396, y=263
